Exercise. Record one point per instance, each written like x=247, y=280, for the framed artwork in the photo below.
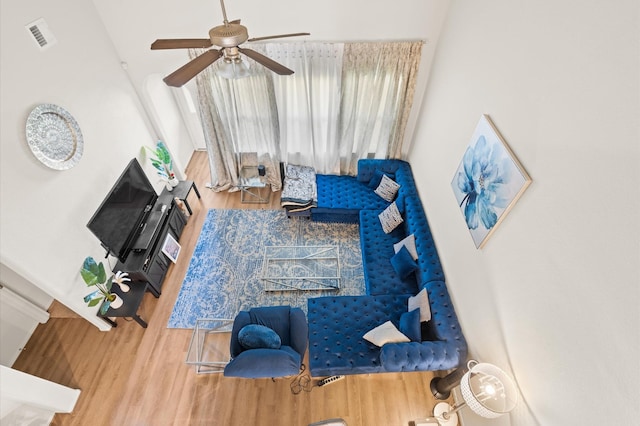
x=488, y=182
x=171, y=248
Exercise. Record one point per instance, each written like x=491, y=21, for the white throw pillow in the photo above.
x=410, y=244
x=421, y=301
x=390, y=218
x=387, y=189
x=385, y=333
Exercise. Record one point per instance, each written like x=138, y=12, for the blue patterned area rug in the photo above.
x=224, y=274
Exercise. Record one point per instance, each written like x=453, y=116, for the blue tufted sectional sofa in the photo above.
x=337, y=323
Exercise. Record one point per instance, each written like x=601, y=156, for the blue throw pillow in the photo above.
x=403, y=263
x=255, y=336
x=410, y=325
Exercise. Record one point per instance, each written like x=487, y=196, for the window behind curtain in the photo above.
x=344, y=102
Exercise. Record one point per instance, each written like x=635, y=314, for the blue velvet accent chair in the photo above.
x=290, y=324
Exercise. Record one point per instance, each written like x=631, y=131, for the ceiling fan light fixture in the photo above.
x=233, y=68
x=228, y=37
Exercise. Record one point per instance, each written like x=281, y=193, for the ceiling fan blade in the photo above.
x=180, y=43
x=269, y=63
x=278, y=36
x=236, y=21
x=191, y=69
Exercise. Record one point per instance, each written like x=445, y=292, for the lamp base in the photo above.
x=441, y=386
x=440, y=411
x=438, y=394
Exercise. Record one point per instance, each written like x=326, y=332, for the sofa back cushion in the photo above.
x=400, y=169
x=444, y=321
x=415, y=222
x=274, y=317
x=367, y=167
x=404, y=177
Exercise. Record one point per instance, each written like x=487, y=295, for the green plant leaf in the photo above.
x=90, y=271
x=159, y=168
x=105, y=307
x=163, y=154
x=93, y=296
x=160, y=159
x=102, y=275
x=94, y=302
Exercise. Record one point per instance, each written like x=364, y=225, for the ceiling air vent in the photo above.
x=41, y=34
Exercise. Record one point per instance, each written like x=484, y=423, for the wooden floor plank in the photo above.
x=136, y=376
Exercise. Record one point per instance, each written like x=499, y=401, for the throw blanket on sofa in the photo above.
x=299, y=191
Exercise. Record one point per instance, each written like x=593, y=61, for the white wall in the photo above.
x=553, y=296
x=44, y=211
x=163, y=108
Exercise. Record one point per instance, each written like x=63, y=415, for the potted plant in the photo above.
x=161, y=161
x=94, y=274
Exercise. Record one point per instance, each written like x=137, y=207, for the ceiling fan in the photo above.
x=228, y=37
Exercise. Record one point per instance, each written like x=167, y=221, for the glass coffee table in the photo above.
x=301, y=268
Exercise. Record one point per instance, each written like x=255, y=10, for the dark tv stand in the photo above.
x=153, y=222
x=146, y=262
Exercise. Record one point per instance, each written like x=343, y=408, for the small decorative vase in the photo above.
x=117, y=302
x=169, y=186
x=173, y=182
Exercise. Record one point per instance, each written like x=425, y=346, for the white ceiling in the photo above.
x=134, y=25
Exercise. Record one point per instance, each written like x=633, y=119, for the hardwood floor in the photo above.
x=136, y=376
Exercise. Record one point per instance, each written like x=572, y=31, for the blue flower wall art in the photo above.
x=488, y=182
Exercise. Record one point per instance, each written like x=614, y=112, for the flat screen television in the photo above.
x=120, y=218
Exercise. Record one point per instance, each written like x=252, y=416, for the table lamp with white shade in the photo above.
x=487, y=391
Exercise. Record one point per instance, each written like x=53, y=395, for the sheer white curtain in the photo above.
x=378, y=82
x=309, y=103
x=240, y=119
x=344, y=102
